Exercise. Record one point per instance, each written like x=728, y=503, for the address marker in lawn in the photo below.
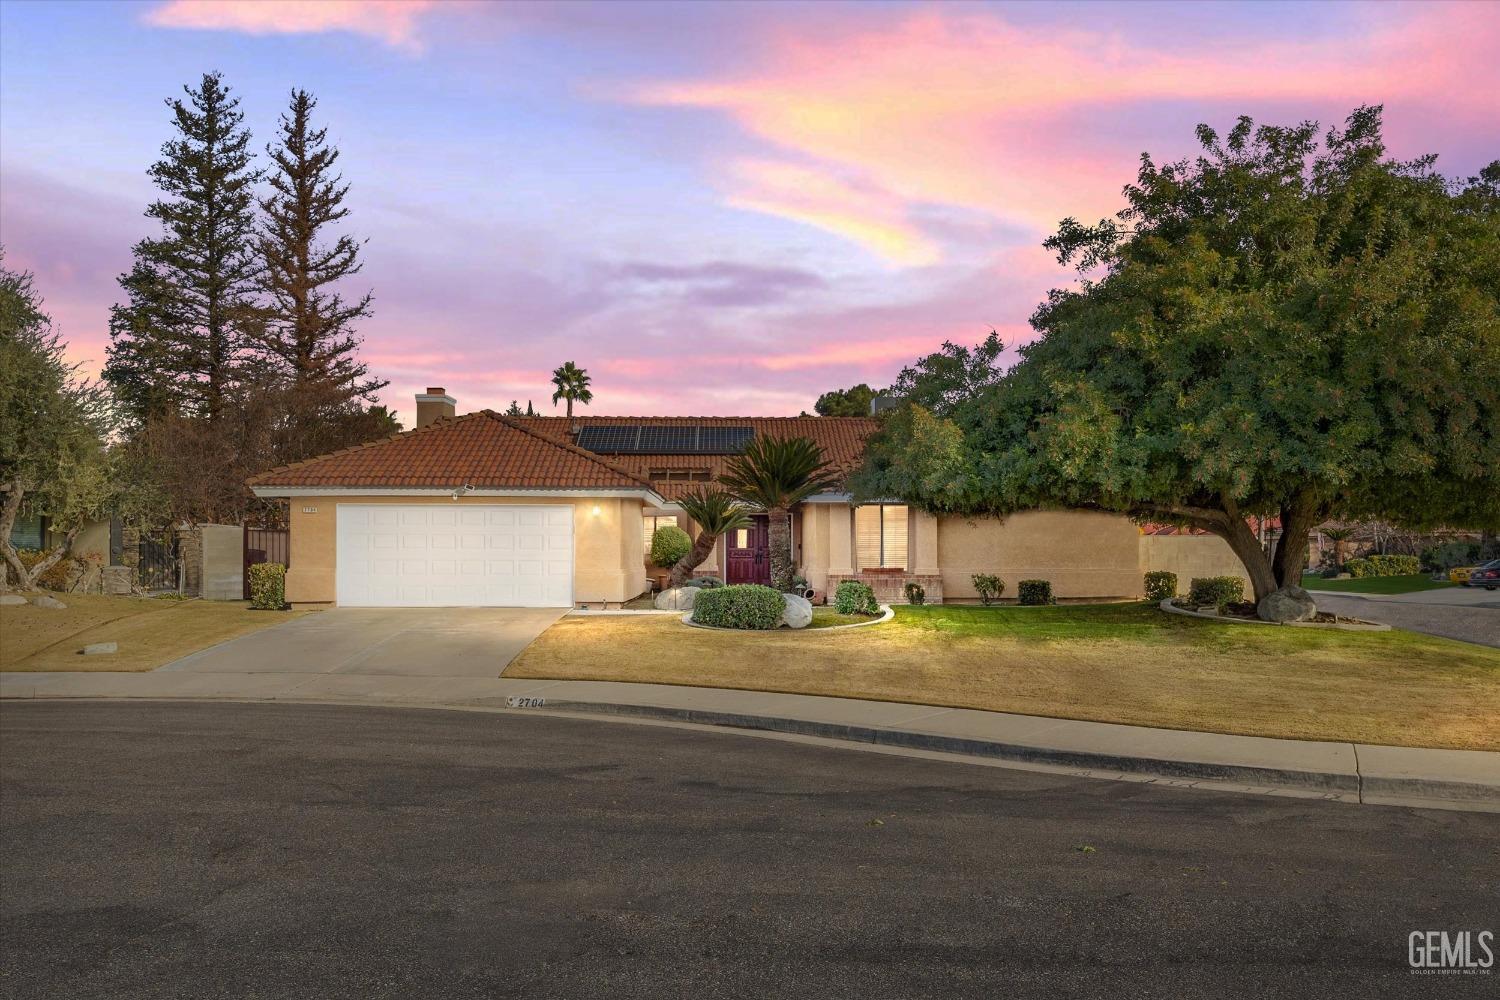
x=101, y=648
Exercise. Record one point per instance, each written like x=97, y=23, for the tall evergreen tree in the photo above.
x=308, y=332
x=178, y=342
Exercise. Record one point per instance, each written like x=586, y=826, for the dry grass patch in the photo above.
x=150, y=633
x=1108, y=663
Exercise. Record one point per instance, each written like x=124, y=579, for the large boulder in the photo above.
x=677, y=599
x=10, y=599
x=798, y=613
x=47, y=601
x=1289, y=604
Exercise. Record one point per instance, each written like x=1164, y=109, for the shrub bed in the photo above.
x=1034, y=592
x=268, y=587
x=1220, y=591
x=854, y=598
x=1383, y=566
x=1160, y=586
x=747, y=605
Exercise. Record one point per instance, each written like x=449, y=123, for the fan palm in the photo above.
x=572, y=384
x=715, y=513
x=1339, y=537
x=776, y=474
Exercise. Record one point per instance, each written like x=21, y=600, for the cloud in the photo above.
x=393, y=22
x=1029, y=123
x=717, y=283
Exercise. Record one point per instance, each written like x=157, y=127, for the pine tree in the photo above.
x=308, y=335
x=178, y=343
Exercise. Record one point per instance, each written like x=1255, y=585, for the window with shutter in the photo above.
x=880, y=536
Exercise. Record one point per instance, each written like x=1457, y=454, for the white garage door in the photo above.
x=435, y=556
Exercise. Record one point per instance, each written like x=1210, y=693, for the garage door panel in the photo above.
x=393, y=555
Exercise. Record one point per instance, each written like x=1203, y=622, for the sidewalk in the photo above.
x=1343, y=771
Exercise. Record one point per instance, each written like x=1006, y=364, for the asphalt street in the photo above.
x=220, y=850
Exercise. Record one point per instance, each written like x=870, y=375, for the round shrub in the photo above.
x=1216, y=590
x=668, y=545
x=915, y=593
x=1160, y=586
x=747, y=605
x=1035, y=592
x=854, y=598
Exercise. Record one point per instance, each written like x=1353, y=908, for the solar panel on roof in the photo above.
x=663, y=439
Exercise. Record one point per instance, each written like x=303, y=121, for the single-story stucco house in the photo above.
x=493, y=510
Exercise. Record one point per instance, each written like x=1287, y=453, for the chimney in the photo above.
x=434, y=404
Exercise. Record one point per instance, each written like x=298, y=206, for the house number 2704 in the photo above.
x=525, y=702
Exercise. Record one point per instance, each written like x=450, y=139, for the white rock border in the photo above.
x=1361, y=626
x=887, y=613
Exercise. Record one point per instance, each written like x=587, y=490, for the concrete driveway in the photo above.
x=1466, y=613
x=386, y=642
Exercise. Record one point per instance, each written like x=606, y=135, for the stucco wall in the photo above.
x=223, y=554
x=1084, y=554
x=608, y=547
x=1189, y=556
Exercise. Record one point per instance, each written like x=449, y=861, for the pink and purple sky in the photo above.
x=715, y=209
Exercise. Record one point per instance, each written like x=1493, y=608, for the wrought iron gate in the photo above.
x=159, y=568
x=265, y=545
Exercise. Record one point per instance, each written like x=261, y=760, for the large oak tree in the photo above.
x=1275, y=327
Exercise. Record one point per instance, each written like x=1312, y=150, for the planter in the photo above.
x=1346, y=625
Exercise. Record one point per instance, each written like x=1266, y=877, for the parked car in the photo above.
x=1486, y=576
x=1460, y=575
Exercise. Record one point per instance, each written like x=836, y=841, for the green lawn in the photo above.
x=824, y=617
x=1377, y=584
x=1127, y=663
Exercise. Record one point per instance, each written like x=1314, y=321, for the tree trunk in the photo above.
x=1236, y=531
x=26, y=578
x=702, y=546
x=781, y=548
x=1290, y=558
x=14, y=494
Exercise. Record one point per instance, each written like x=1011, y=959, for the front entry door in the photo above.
x=749, y=552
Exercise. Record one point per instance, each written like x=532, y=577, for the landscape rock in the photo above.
x=11, y=599
x=798, y=613
x=101, y=648
x=47, y=601
x=677, y=599
x=1289, y=604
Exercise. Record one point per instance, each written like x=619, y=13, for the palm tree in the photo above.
x=715, y=513
x=776, y=474
x=1339, y=537
x=572, y=383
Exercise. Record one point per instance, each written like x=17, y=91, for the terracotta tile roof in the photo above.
x=485, y=449
x=842, y=440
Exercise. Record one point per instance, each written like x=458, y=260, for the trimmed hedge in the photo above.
x=268, y=586
x=1216, y=590
x=915, y=593
x=990, y=587
x=743, y=605
x=1034, y=592
x=1160, y=586
x=854, y=598
x=704, y=582
x=1383, y=566
x=668, y=545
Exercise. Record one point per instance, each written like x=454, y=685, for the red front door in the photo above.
x=749, y=552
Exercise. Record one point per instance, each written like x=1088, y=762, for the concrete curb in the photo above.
x=916, y=740
x=1362, y=773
